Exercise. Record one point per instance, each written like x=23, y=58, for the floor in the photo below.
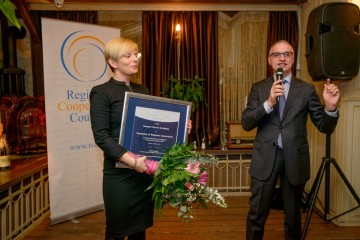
x=210, y=224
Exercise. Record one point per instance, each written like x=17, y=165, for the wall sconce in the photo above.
x=177, y=31
x=177, y=36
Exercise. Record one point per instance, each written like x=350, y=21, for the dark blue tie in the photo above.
x=282, y=101
x=281, y=106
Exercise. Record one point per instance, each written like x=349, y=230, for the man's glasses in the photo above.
x=278, y=54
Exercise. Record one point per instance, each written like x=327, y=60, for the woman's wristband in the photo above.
x=134, y=165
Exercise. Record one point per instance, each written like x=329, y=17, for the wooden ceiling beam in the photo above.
x=170, y=1
x=27, y=18
x=162, y=5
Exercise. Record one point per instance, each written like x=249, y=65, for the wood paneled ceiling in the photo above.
x=170, y=1
x=36, y=4
x=24, y=6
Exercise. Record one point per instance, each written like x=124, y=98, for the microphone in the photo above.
x=279, y=76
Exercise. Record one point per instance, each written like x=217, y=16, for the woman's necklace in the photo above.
x=129, y=87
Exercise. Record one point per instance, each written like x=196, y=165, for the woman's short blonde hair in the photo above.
x=118, y=47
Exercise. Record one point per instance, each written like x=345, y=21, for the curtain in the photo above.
x=198, y=56
x=130, y=25
x=283, y=26
x=244, y=43
x=242, y=60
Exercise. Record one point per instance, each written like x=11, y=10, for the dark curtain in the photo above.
x=283, y=26
x=198, y=57
x=36, y=47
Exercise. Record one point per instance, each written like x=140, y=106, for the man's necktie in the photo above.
x=281, y=106
x=282, y=101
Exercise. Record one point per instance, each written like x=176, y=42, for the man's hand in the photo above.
x=331, y=95
x=276, y=90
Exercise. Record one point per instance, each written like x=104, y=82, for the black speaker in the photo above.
x=333, y=41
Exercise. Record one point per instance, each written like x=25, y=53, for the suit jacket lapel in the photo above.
x=292, y=95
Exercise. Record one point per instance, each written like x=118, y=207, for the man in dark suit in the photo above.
x=281, y=148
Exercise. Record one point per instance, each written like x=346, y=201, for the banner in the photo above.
x=73, y=64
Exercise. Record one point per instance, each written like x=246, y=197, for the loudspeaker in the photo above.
x=333, y=41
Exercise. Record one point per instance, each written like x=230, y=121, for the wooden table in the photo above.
x=24, y=195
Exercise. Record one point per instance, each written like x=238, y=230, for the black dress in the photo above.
x=128, y=207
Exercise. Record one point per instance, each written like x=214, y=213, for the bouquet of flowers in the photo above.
x=180, y=180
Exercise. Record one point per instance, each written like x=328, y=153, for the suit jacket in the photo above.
x=302, y=101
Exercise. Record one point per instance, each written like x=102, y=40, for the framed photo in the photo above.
x=151, y=125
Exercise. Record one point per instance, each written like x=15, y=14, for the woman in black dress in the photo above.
x=128, y=207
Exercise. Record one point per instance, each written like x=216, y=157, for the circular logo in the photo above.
x=82, y=57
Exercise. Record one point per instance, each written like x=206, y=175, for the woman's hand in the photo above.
x=189, y=126
x=140, y=165
x=135, y=162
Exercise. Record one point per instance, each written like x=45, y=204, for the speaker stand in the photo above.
x=325, y=169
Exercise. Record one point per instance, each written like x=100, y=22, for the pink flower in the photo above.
x=193, y=167
x=203, y=178
x=152, y=166
x=189, y=186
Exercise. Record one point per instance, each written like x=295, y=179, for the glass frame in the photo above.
x=151, y=125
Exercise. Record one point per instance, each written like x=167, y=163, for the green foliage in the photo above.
x=174, y=184
x=186, y=89
x=169, y=177
x=8, y=9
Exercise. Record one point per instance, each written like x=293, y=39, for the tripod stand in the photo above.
x=325, y=168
